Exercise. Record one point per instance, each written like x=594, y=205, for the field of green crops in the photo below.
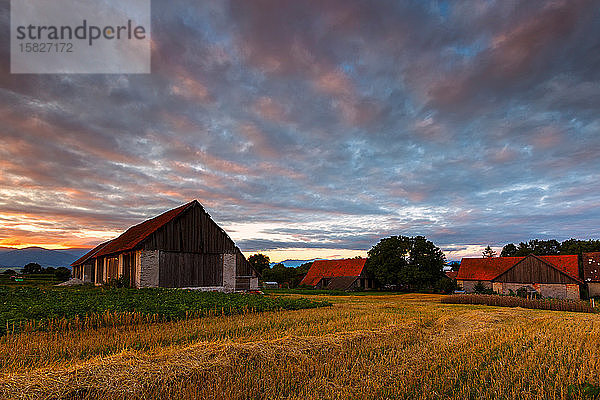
x=41, y=307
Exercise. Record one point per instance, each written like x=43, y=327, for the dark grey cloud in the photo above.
x=323, y=124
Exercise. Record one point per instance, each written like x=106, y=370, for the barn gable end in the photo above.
x=182, y=247
x=534, y=269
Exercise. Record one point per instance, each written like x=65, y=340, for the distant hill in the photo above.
x=291, y=263
x=17, y=258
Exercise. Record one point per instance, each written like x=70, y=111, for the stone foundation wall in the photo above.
x=554, y=290
x=557, y=291
x=149, y=260
x=573, y=292
x=229, y=272
x=507, y=287
x=469, y=286
x=497, y=287
x=594, y=288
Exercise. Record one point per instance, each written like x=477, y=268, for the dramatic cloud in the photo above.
x=319, y=127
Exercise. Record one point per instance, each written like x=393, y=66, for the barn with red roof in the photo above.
x=550, y=276
x=182, y=247
x=591, y=272
x=345, y=274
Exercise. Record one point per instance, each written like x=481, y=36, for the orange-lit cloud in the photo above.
x=329, y=125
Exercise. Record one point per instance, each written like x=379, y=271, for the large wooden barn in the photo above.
x=346, y=274
x=181, y=248
x=550, y=276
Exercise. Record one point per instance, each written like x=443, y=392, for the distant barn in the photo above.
x=183, y=247
x=347, y=274
x=550, y=276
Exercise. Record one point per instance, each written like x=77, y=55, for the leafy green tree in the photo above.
x=489, y=252
x=259, y=262
x=62, y=274
x=509, y=250
x=409, y=261
x=32, y=268
x=300, y=272
x=550, y=247
x=480, y=288
x=574, y=246
x=523, y=249
x=279, y=273
x=535, y=246
x=445, y=285
x=545, y=247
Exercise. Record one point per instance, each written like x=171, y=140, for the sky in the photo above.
x=316, y=128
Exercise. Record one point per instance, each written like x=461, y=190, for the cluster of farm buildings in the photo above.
x=558, y=276
x=185, y=248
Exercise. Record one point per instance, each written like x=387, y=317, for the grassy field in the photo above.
x=364, y=347
x=30, y=280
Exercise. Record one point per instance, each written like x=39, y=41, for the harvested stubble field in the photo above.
x=403, y=346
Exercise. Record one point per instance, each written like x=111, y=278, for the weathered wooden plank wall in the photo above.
x=190, y=269
x=533, y=270
x=129, y=271
x=243, y=267
x=99, y=270
x=192, y=232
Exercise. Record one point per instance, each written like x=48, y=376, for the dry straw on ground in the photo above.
x=364, y=347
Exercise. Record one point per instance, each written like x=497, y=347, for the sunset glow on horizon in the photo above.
x=315, y=129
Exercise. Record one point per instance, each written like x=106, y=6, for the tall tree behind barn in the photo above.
x=183, y=247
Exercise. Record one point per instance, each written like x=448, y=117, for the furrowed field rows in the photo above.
x=65, y=309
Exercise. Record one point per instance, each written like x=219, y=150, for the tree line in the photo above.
x=550, y=247
x=415, y=263
x=279, y=272
x=60, y=273
x=397, y=262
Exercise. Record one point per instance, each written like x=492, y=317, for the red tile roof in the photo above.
x=567, y=264
x=591, y=267
x=134, y=235
x=333, y=268
x=89, y=254
x=486, y=269
x=451, y=274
